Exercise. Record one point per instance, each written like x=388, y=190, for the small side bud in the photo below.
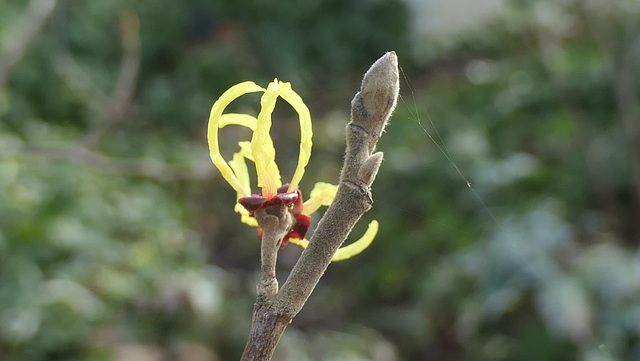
x=369, y=169
x=379, y=92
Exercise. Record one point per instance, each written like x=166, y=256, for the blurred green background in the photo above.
x=118, y=239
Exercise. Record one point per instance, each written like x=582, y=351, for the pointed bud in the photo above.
x=369, y=169
x=378, y=94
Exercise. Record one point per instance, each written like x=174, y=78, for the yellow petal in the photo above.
x=212, y=131
x=321, y=195
x=238, y=119
x=244, y=215
x=239, y=167
x=306, y=131
x=300, y=242
x=245, y=150
x=264, y=154
x=350, y=250
x=359, y=245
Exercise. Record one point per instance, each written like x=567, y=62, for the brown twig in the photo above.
x=370, y=109
x=18, y=39
x=276, y=221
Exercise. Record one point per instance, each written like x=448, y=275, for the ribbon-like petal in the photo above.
x=322, y=194
x=212, y=131
x=359, y=245
x=245, y=120
x=306, y=132
x=245, y=216
x=352, y=249
x=264, y=154
x=239, y=167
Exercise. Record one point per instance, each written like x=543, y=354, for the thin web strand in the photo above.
x=416, y=115
x=444, y=150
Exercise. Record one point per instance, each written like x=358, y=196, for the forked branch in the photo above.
x=370, y=110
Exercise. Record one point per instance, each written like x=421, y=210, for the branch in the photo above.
x=370, y=109
x=117, y=105
x=109, y=109
x=275, y=221
x=18, y=39
x=622, y=65
x=149, y=168
x=626, y=86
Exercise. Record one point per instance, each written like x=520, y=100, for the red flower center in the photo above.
x=292, y=200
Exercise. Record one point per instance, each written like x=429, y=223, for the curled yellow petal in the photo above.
x=244, y=215
x=306, y=131
x=321, y=195
x=350, y=250
x=245, y=150
x=264, y=154
x=212, y=131
x=359, y=245
x=239, y=167
x=245, y=120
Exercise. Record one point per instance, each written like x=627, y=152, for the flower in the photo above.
x=261, y=151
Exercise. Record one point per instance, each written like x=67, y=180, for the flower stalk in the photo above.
x=275, y=221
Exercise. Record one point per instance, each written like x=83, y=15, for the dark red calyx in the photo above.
x=288, y=198
x=293, y=200
x=283, y=188
x=252, y=203
x=301, y=227
x=255, y=201
x=285, y=241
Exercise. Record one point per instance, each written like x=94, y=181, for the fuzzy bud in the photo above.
x=378, y=94
x=369, y=169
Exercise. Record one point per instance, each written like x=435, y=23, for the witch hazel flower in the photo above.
x=261, y=151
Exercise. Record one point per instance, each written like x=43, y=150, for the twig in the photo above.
x=623, y=71
x=550, y=48
x=370, y=110
x=116, y=107
x=275, y=221
x=79, y=82
x=79, y=155
x=18, y=39
x=626, y=84
x=111, y=111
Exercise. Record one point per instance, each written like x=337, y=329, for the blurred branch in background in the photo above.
x=627, y=81
x=79, y=83
x=614, y=65
x=109, y=110
x=116, y=107
x=84, y=157
x=17, y=40
x=622, y=55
